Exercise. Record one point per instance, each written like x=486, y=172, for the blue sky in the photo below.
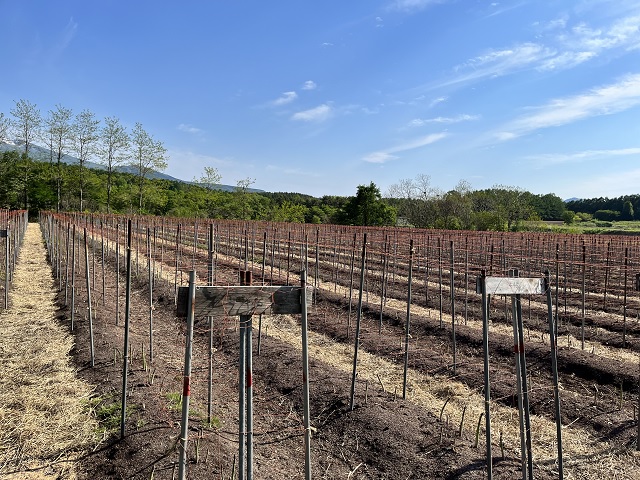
x=319, y=97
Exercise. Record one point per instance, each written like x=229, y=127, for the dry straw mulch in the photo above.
x=44, y=421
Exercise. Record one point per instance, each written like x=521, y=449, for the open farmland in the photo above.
x=437, y=431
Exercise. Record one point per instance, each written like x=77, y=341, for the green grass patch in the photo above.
x=108, y=411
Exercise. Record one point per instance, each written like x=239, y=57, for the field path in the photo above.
x=43, y=423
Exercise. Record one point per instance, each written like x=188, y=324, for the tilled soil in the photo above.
x=383, y=437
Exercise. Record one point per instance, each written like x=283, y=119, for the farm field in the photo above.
x=437, y=431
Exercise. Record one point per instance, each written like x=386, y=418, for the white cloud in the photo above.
x=317, y=114
x=621, y=33
x=383, y=156
x=285, y=98
x=576, y=157
x=566, y=60
x=419, y=122
x=379, y=157
x=604, y=100
x=500, y=62
x=438, y=100
x=412, y=5
x=326, y=44
x=59, y=45
x=309, y=85
x=497, y=63
x=185, y=127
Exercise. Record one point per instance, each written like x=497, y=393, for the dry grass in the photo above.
x=43, y=421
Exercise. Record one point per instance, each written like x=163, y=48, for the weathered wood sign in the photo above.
x=243, y=300
x=512, y=286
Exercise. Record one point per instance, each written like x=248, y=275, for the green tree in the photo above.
x=569, y=217
x=58, y=130
x=114, y=142
x=627, y=211
x=368, y=208
x=242, y=195
x=4, y=127
x=27, y=122
x=606, y=215
x=148, y=155
x=288, y=212
x=85, y=136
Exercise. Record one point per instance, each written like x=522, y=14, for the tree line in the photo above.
x=52, y=184
x=83, y=135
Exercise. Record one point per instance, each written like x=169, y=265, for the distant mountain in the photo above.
x=572, y=199
x=42, y=154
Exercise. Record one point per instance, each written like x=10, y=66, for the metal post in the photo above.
x=453, y=305
x=353, y=255
x=525, y=387
x=305, y=377
x=487, y=390
x=249, y=388
x=358, y=317
x=186, y=384
x=554, y=369
x=407, y=323
x=88, y=278
x=73, y=277
x=127, y=315
x=516, y=350
x=66, y=268
x=117, y=274
x=241, y=392
x=150, y=274
x=6, y=269
x=210, y=319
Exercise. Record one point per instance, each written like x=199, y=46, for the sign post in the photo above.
x=245, y=301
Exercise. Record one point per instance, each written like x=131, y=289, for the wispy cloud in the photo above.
x=559, y=45
x=577, y=157
x=605, y=100
x=285, y=98
x=309, y=85
x=317, y=114
x=379, y=157
x=386, y=155
x=185, y=127
x=438, y=100
x=62, y=43
x=499, y=10
x=412, y=5
x=495, y=63
x=419, y=122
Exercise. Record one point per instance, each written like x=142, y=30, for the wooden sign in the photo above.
x=512, y=286
x=242, y=300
